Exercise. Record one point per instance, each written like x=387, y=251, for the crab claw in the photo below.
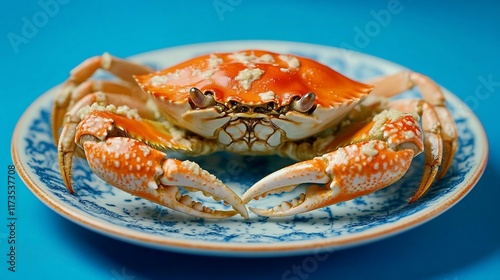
x=140, y=170
x=344, y=174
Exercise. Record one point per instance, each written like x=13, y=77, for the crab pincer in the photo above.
x=136, y=168
x=158, y=180
x=358, y=162
x=342, y=175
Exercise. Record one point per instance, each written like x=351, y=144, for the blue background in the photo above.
x=455, y=44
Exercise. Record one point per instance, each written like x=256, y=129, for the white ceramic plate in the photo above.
x=109, y=211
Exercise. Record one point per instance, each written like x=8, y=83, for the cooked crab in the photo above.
x=256, y=103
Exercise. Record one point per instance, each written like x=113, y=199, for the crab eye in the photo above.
x=305, y=103
x=200, y=99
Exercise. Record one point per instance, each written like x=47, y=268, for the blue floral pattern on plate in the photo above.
x=107, y=210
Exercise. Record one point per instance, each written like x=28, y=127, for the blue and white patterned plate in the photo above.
x=109, y=211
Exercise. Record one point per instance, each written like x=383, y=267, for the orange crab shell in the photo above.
x=276, y=78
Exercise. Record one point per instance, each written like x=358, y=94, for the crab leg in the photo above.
x=433, y=142
x=79, y=85
x=139, y=169
x=121, y=68
x=81, y=91
x=372, y=156
x=392, y=85
x=66, y=140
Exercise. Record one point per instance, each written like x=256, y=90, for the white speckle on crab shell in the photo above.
x=127, y=112
x=266, y=58
x=196, y=169
x=145, y=150
x=209, y=73
x=159, y=80
x=214, y=61
x=409, y=135
x=195, y=72
x=267, y=96
x=292, y=61
x=247, y=76
x=251, y=58
x=369, y=149
x=242, y=57
x=120, y=110
x=337, y=158
x=379, y=120
x=93, y=125
x=169, y=166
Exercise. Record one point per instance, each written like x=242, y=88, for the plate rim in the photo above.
x=250, y=249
